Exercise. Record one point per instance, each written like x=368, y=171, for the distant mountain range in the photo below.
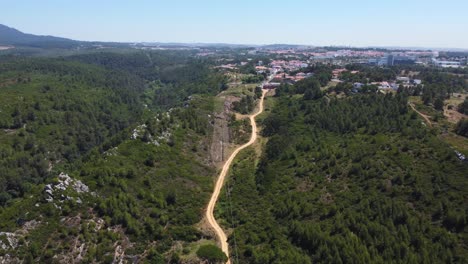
x=13, y=37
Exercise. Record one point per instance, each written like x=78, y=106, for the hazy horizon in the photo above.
x=425, y=24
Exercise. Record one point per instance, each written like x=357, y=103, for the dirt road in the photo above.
x=219, y=183
x=425, y=117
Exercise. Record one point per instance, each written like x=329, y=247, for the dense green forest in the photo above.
x=172, y=76
x=132, y=127
x=54, y=111
x=352, y=180
x=462, y=128
x=58, y=109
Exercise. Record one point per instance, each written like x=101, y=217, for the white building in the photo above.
x=446, y=64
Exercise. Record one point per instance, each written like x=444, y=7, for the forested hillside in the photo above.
x=54, y=111
x=351, y=180
x=104, y=153
x=104, y=157
x=172, y=76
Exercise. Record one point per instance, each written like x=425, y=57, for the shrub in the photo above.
x=212, y=254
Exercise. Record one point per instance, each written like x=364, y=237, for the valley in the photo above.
x=221, y=178
x=192, y=153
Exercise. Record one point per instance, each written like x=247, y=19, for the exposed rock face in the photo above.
x=77, y=185
x=138, y=132
x=65, y=182
x=8, y=259
x=141, y=132
x=8, y=240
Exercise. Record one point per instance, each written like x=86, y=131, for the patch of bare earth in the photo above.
x=220, y=142
x=326, y=197
x=10, y=131
x=206, y=229
x=305, y=185
x=8, y=82
x=453, y=116
x=450, y=109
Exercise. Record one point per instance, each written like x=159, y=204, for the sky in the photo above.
x=408, y=23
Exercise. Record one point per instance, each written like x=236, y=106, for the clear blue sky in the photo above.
x=422, y=23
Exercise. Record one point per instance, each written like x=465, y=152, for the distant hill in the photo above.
x=11, y=36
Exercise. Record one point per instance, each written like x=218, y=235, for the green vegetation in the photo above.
x=253, y=79
x=212, y=254
x=437, y=87
x=104, y=119
x=353, y=180
x=462, y=128
x=155, y=190
x=348, y=178
x=240, y=130
x=367, y=74
x=54, y=111
x=247, y=103
x=172, y=76
x=463, y=107
x=322, y=73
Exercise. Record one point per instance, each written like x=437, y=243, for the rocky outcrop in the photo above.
x=65, y=183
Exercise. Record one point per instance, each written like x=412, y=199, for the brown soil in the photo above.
x=305, y=185
x=8, y=82
x=221, y=142
x=453, y=116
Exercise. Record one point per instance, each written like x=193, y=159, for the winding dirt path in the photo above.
x=219, y=183
x=425, y=117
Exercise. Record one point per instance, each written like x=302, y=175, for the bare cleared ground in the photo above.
x=452, y=115
x=221, y=142
x=8, y=82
